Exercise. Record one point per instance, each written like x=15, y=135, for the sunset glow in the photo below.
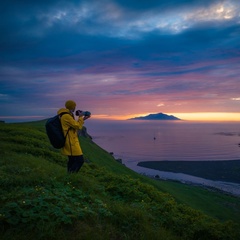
x=215, y=116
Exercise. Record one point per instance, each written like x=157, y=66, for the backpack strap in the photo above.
x=60, y=115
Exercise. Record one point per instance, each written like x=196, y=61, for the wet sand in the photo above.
x=227, y=171
x=219, y=175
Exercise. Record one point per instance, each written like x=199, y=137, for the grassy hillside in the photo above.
x=105, y=200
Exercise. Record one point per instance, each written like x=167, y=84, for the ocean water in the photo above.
x=134, y=141
x=167, y=140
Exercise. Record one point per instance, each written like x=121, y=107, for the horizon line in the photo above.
x=190, y=116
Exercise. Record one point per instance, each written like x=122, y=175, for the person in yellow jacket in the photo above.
x=70, y=127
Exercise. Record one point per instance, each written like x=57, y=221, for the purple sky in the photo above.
x=117, y=58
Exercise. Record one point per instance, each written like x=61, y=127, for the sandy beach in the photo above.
x=229, y=187
x=227, y=171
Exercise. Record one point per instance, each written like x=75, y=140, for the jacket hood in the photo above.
x=62, y=110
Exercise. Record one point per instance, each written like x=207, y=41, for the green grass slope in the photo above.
x=105, y=200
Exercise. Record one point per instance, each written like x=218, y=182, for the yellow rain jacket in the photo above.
x=72, y=146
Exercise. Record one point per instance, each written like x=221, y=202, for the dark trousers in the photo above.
x=75, y=163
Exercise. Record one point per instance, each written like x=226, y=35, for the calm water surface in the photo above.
x=133, y=141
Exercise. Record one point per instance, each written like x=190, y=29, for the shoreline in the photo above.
x=224, y=170
x=222, y=186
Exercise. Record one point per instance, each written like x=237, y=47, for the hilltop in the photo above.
x=105, y=200
x=156, y=116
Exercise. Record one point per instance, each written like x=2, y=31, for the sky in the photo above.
x=120, y=58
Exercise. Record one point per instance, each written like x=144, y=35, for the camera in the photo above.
x=84, y=113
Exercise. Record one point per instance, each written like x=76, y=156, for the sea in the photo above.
x=134, y=141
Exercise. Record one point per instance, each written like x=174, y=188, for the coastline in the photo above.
x=226, y=171
x=226, y=187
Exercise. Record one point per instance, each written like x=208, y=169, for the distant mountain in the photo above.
x=156, y=116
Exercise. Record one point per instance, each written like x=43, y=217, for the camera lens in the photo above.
x=87, y=113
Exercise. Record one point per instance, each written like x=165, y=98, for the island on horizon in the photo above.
x=156, y=116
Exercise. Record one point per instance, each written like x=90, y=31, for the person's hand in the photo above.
x=86, y=117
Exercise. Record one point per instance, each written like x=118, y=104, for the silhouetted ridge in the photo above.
x=156, y=116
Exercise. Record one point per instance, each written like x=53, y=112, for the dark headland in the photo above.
x=227, y=171
x=156, y=116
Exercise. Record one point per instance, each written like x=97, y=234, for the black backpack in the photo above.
x=55, y=132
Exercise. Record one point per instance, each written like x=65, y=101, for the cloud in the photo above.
x=118, y=56
x=120, y=19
